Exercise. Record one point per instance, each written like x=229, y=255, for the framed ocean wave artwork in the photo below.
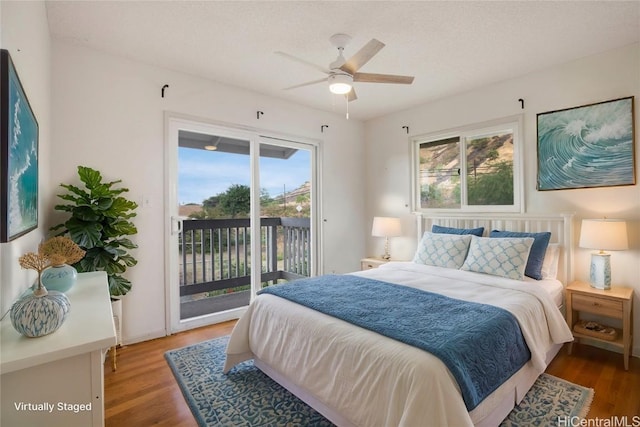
x=588, y=146
x=18, y=156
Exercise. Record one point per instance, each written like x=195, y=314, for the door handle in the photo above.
x=176, y=225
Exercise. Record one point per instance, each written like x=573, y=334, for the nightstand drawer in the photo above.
x=369, y=263
x=603, y=306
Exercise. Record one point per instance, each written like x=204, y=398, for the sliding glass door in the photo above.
x=237, y=199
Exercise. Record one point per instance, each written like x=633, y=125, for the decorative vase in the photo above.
x=40, y=312
x=59, y=277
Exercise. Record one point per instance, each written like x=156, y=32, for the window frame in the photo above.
x=513, y=123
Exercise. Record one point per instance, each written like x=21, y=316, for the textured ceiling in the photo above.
x=450, y=47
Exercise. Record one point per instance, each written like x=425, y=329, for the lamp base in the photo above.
x=386, y=255
x=600, y=273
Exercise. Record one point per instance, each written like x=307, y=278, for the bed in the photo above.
x=356, y=376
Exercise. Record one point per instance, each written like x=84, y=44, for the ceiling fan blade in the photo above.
x=351, y=95
x=305, y=62
x=363, y=56
x=382, y=78
x=305, y=84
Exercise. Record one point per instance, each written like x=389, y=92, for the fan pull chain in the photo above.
x=346, y=97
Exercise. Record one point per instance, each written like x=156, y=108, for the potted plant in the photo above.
x=100, y=222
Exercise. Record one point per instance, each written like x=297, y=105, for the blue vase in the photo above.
x=38, y=315
x=59, y=277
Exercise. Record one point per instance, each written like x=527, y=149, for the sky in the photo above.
x=202, y=174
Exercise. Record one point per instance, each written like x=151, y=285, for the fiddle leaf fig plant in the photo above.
x=100, y=222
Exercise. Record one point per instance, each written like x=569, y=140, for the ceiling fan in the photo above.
x=342, y=73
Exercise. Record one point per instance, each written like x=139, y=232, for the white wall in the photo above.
x=109, y=114
x=24, y=32
x=610, y=75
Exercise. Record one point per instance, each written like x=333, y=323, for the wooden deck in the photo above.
x=189, y=309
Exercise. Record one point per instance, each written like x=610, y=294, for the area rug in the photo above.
x=246, y=397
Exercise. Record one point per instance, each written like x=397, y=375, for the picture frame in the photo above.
x=18, y=155
x=588, y=146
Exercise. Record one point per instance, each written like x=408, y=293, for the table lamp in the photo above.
x=603, y=234
x=385, y=227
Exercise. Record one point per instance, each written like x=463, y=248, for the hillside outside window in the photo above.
x=477, y=168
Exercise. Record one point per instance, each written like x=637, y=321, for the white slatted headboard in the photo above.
x=560, y=226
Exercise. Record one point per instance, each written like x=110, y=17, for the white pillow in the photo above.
x=499, y=256
x=550, y=263
x=442, y=250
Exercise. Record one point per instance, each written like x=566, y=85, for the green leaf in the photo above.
x=113, y=250
x=56, y=227
x=118, y=285
x=128, y=260
x=126, y=243
x=120, y=207
x=115, y=268
x=104, y=203
x=85, y=234
x=86, y=213
x=125, y=228
x=90, y=177
x=83, y=194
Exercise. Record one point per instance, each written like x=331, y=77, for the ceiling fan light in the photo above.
x=340, y=84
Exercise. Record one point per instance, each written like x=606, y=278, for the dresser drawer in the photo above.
x=591, y=304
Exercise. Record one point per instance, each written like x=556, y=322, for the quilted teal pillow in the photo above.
x=504, y=257
x=442, y=250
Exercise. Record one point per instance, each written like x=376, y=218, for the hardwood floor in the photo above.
x=143, y=392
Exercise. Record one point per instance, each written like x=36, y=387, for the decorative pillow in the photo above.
x=538, y=249
x=442, y=250
x=504, y=257
x=451, y=230
x=550, y=264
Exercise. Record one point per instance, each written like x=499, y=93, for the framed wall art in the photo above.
x=18, y=156
x=588, y=146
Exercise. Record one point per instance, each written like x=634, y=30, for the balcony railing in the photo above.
x=215, y=267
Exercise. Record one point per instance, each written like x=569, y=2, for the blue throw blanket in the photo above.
x=482, y=345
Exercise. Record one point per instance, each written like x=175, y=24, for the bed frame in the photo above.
x=511, y=393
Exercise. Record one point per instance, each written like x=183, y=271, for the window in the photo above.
x=476, y=168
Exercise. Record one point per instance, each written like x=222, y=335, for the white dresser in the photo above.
x=58, y=379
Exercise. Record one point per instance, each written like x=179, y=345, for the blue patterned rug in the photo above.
x=248, y=398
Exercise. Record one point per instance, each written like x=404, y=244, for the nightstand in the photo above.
x=616, y=303
x=372, y=262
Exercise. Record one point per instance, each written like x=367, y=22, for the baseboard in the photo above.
x=146, y=337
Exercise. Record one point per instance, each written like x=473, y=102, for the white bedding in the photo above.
x=372, y=380
x=552, y=286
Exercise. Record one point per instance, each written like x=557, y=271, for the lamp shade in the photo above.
x=385, y=227
x=604, y=234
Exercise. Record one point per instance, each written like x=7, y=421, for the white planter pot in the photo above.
x=116, y=308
